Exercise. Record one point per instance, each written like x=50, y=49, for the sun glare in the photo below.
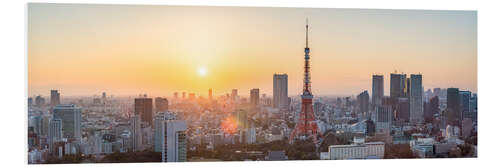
x=229, y=125
x=202, y=71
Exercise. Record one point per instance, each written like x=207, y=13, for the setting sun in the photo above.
x=202, y=71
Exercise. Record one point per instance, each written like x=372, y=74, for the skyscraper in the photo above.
x=144, y=107
x=453, y=106
x=55, y=132
x=210, y=94
x=397, y=85
x=363, y=100
x=103, y=98
x=175, y=146
x=161, y=104
x=241, y=115
x=36, y=123
x=234, y=94
x=473, y=103
x=54, y=98
x=280, y=91
x=432, y=108
x=159, y=129
x=377, y=89
x=403, y=109
x=136, y=133
x=472, y=114
x=465, y=97
x=416, y=98
x=39, y=101
x=254, y=97
x=46, y=125
x=30, y=101
x=383, y=119
x=71, y=116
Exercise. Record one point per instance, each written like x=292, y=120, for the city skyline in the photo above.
x=203, y=52
x=140, y=57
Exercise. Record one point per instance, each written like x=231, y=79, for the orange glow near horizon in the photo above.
x=229, y=125
x=157, y=50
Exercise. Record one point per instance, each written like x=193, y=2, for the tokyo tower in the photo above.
x=306, y=127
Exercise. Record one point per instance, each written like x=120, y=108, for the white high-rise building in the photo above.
x=147, y=137
x=159, y=129
x=55, y=132
x=97, y=143
x=175, y=147
x=71, y=116
x=136, y=135
x=126, y=140
x=416, y=98
x=280, y=91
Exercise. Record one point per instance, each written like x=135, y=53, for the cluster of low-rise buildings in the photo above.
x=433, y=123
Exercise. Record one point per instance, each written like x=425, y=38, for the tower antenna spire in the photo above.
x=307, y=32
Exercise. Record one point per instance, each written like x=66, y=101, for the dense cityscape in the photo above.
x=244, y=125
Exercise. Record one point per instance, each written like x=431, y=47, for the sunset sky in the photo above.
x=157, y=50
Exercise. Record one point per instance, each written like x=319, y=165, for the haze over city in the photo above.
x=158, y=50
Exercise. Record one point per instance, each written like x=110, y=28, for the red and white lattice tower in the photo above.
x=306, y=127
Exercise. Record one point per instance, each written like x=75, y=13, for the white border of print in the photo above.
x=13, y=66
